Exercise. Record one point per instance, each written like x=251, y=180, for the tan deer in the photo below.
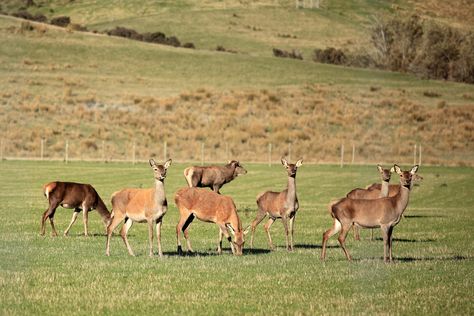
x=279, y=205
x=384, y=213
x=140, y=205
x=366, y=194
x=209, y=206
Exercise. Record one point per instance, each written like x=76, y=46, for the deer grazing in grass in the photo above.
x=213, y=177
x=279, y=205
x=140, y=205
x=211, y=207
x=77, y=196
x=366, y=194
x=384, y=213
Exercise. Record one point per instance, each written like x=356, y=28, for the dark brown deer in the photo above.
x=279, y=205
x=140, y=205
x=213, y=177
x=210, y=207
x=384, y=213
x=77, y=196
x=358, y=193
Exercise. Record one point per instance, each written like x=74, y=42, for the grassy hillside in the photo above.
x=46, y=275
x=103, y=94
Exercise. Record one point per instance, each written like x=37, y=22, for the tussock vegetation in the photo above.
x=383, y=124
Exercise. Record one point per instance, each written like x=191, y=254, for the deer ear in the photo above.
x=152, y=162
x=414, y=169
x=397, y=169
x=284, y=162
x=247, y=230
x=229, y=227
x=168, y=163
x=299, y=163
x=392, y=170
x=379, y=168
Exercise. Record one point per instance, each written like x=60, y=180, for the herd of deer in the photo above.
x=378, y=205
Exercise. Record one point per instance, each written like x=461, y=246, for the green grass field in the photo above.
x=433, y=250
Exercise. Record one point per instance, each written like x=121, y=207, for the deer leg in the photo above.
x=267, y=226
x=385, y=233
x=356, y=232
x=179, y=227
x=219, y=245
x=73, y=220
x=114, y=221
x=224, y=230
x=284, y=220
x=330, y=232
x=159, y=221
x=186, y=232
x=260, y=216
x=292, y=229
x=390, y=231
x=342, y=239
x=150, y=237
x=85, y=217
x=371, y=234
x=49, y=213
x=123, y=232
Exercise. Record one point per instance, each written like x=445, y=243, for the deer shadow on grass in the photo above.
x=312, y=246
x=408, y=240
x=424, y=216
x=416, y=259
x=213, y=252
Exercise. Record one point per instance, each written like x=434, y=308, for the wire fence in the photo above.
x=202, y=152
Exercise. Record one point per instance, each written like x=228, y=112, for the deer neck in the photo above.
x=291, y=191
x=159, y=194
x=402, y=199
x=384, y=189
x=229, y=172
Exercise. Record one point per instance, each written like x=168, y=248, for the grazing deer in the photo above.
x=140, y=205
x=211, y=207
x=279, y=205
x=77, y=196
x=384, y=213
x=358, y=193
x=213, y=177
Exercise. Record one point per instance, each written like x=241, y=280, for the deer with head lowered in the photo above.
x=78, y=196
x=358, y=193
x=210, y=207
x=384, y=213
x=140, y=205
x=213, y=177
x=279, y=205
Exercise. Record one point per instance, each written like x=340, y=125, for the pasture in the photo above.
x=433, y=250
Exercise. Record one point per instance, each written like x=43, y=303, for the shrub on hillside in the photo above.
x=28, y=16
x=329, y=55
x=189, y=45
x=295, y=54
x=125, y=32
x=61, y=21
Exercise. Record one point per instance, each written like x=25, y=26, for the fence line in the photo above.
x=202, y=152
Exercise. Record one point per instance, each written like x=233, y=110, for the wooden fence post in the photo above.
x=66, y=152
x=270, y=154
x=414, y=154
x=342, y=155
x=419, y=157
x=42, y=148
x=1, y=149
x=134, y=153
x=165, y=150
x=289, y=152
x=202, y=153
x=353, y=153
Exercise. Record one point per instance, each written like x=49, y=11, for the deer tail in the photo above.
x=48, y=188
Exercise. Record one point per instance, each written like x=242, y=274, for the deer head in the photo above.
x=385, y=173
x=160, y=170
x=238, y=168
x=291, y=168
x=406, y=176
x=238, y=241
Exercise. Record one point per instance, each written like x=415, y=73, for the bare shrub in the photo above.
x=295, y=54
x=125, y=32
x=61, y=21
x=329, y=55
